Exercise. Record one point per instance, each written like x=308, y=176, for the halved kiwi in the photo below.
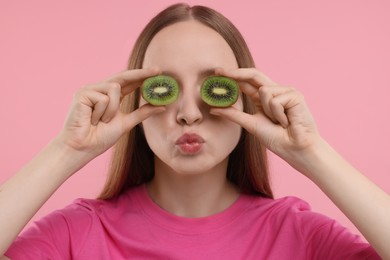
x=160, y=90
x=219, y=91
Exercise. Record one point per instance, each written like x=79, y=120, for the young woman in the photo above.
x=189, y=181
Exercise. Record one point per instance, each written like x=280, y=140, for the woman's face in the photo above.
x=186, y=137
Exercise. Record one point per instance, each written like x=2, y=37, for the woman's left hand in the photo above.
x=282, y=121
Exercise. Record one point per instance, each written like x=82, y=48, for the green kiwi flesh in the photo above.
x=219, y=91
x=160, y=90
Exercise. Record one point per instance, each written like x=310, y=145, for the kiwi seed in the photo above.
x=219, y=91
x=160, y=90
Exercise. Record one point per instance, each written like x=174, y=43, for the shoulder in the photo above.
x=100, y=208
x=290, y=212
x=284, y=205
x=79, y=228
x=291, y=218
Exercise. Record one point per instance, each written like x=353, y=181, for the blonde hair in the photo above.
x=132, y=160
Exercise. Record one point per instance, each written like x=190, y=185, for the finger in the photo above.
x=277, y=107
x=129, y=80
x=97, y=102
x=270, y=105
x=140, y=114
x=113, y=92
x=266, y=96
x=250, y=75
x=262, y=90
x=102, y=87
x=114, y=95
x=241, y=118
x=250, y=81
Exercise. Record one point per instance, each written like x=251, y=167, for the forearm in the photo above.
x=23, y=194
x=364, y=203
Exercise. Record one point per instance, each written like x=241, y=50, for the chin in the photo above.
x=192, y=165
x=199, y=167
x=191, y=171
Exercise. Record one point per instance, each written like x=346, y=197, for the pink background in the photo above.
x=336, y=52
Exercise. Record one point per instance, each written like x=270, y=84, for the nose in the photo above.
x=189, y=109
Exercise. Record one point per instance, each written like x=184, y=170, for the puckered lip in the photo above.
x=188, y=138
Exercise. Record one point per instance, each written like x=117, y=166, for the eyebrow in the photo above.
x=202, y=73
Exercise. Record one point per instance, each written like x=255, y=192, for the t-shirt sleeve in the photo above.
x=47, y=238
x=327, y=239
x=56, y=236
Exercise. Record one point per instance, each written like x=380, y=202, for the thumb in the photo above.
x=140, y=114
x=245, y=120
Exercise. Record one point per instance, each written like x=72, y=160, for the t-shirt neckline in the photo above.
x=186, y=225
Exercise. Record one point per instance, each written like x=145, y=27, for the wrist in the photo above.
x=65, y=157
x=311, y=160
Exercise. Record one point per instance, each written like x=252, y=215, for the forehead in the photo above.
x=186, y=44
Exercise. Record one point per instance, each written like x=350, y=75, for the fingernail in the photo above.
x=218, y=71
x=155, y=70
x=160, y=109
x=216, y=113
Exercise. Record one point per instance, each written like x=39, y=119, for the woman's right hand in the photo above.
x=94, y=124
x=95, y=121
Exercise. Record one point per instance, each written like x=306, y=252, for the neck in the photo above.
x=192, y=194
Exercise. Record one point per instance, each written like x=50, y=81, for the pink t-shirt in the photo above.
x=134, y=227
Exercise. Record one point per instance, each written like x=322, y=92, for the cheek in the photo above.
x=234, y=133
x=141, y=100
x=152, y=128
x=239, y=103
x=228, y=132
x=226, y=135
x=157, y=130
